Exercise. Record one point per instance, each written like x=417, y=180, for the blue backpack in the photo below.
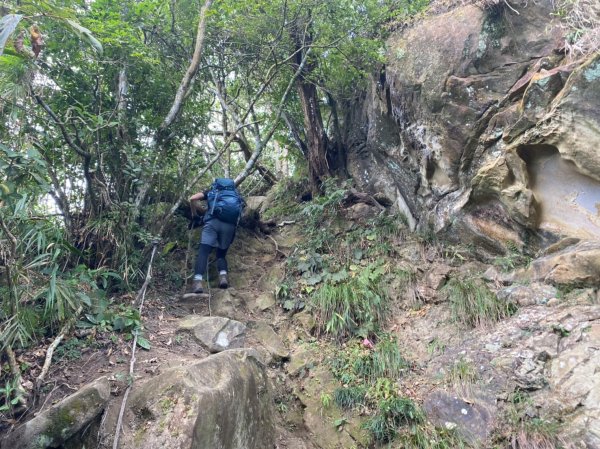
x=224, y=201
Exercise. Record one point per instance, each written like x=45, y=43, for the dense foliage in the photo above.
x=113, y=112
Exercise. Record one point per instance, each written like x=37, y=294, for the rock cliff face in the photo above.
x=481, y=127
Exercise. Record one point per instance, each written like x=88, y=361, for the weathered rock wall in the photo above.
x=468, y=110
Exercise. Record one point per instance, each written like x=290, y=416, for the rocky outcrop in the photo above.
x=549, y=352
x=221, y=402
x=577, y=265
x=55, y=426
x=481, y=127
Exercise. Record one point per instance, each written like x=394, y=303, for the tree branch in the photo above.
x=80, y=151
x=184, y=87
x=258, y=150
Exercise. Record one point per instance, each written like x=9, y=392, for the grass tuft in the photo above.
x=393, y=413
x=350, y=397
x=524, y=430
x=462, y=372
x=355, y=306
x=424, y=436
x=473, y=304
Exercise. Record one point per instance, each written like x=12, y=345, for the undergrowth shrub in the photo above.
x=473, y=304
x=368, y=374
x=286, y=195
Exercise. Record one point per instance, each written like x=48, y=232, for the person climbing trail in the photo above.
x=225, y=206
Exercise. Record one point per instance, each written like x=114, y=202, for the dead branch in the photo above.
x=141, y=296
x=285, y=222
x=263, y=143
x=16, y=372
x=277, y=250
x=50, y=351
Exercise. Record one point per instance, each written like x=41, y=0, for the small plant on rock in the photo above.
x=524, y=429
x=462, y=372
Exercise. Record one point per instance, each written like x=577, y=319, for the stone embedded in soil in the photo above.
x=577, y=265
x=272, y=279
x=269, y=339
x=254, y=203
x=265, y=301
x=63, y=420
x=227, y=303
x=437, y=275
x=306, y=321
x=215, y=333
x=472, y=420
x=320, y=420
x=301, y=360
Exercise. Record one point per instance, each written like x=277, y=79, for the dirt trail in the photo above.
x=256, y=267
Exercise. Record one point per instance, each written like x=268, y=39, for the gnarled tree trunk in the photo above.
x=316, y=138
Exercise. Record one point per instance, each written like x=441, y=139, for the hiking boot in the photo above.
x=197, y=286
x=223, y=282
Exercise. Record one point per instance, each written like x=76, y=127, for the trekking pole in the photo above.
x=208, y=289
x=189, y=247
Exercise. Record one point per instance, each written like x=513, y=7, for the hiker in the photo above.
x=224, y=210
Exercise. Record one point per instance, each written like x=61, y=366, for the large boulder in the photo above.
x=577, y=265
x=221, y=402
x=55, y=426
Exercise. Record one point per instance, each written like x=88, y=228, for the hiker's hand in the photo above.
x=196, y=197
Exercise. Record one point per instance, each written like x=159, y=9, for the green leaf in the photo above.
x=340, y=422
x=339, y=276
x=168, y=247
x=143, y=343
x=118, y=323
x=8, y=23
x=313, y=280
x=84, y=325
x=290, y=304
x=87, y=35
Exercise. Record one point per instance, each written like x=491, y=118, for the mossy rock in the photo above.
x=55, y=426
